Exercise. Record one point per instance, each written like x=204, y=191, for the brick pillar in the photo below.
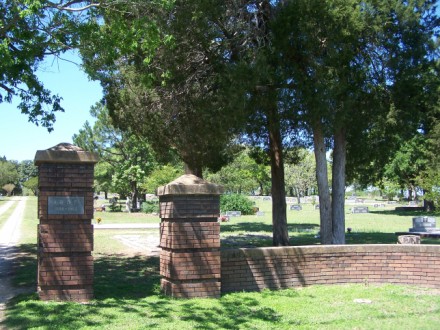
x=190, y=238
x=65, y=230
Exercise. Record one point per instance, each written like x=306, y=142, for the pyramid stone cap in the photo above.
x=190, y=184
x=65, y=153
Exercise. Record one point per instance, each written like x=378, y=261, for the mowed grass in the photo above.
x=127, y=294
x=376, y=227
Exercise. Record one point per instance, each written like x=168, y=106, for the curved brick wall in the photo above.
x=285, y=267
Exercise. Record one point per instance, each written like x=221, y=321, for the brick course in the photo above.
x=65, y=241
x=286, y=267
x=190, y=238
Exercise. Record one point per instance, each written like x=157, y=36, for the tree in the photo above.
x=408, y=163
x=26, y=170
x=32, y=185
x=160, y=176
x=170, y=73
x=351, y=67
x=301, y=175
x=9, y=188
x=129, y=156
x=160, y=83
x=8, y=173
x=243, y=175
x=29, y=32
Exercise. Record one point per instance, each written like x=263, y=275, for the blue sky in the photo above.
x=20, y=139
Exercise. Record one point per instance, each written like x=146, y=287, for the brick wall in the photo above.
x=285, y=267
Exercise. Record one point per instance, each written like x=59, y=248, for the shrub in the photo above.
x=236, y=202
x=150, y=207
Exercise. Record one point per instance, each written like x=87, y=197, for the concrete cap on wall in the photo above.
x=190, y=184
x=65, y=153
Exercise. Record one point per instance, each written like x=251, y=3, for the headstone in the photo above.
x=408, y=239
x=260, y=214
x=295, y=207
x=360, y=209
x=317, y=207
x=413, y=203
x=359, y=200
x=423, y=224
x=233, y=213
x=267, y=198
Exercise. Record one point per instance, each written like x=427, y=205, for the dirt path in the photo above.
x=9, y=236
x=6, y=206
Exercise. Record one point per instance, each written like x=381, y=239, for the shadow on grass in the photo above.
x=127, y=296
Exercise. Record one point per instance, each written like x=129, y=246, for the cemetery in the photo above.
x=244, y=165
x=192, y=253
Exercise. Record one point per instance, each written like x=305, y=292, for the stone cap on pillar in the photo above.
x=65, y=153
x=190, y=184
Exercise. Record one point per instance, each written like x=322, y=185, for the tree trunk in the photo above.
x=134, y=195
x=279, y=216
x=338, y=187
x=195, y=170
x=325, y=211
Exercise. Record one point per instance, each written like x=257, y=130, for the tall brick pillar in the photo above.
x=65, y=231
x=190, y=238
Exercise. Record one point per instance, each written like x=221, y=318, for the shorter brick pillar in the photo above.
x=190, y=238
x=65, y=231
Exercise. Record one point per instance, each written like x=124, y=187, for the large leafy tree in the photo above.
x=190, y=75
x=160, y=78
x=353, y=70
x=8, y=172
x=301, y=174
x=124, y=156
x=243, y=175
x=31, y=30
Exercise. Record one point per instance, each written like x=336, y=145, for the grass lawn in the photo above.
x=127, y=286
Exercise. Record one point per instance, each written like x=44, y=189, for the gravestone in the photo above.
x=423, y=224
x=65, y=231
x=360, y=209
x=260, y=214
x=233, y=213
x=295, y=207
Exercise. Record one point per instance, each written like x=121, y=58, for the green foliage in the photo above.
x=32, y=184
x=8, y=172
x=236, y=202
x=30, y=31
x=150, y=206
x=242, y=175
x=125, y=159
x=114, y=205
x=160, y=176
x=301, y=175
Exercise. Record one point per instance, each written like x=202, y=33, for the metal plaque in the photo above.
x=65, y=205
